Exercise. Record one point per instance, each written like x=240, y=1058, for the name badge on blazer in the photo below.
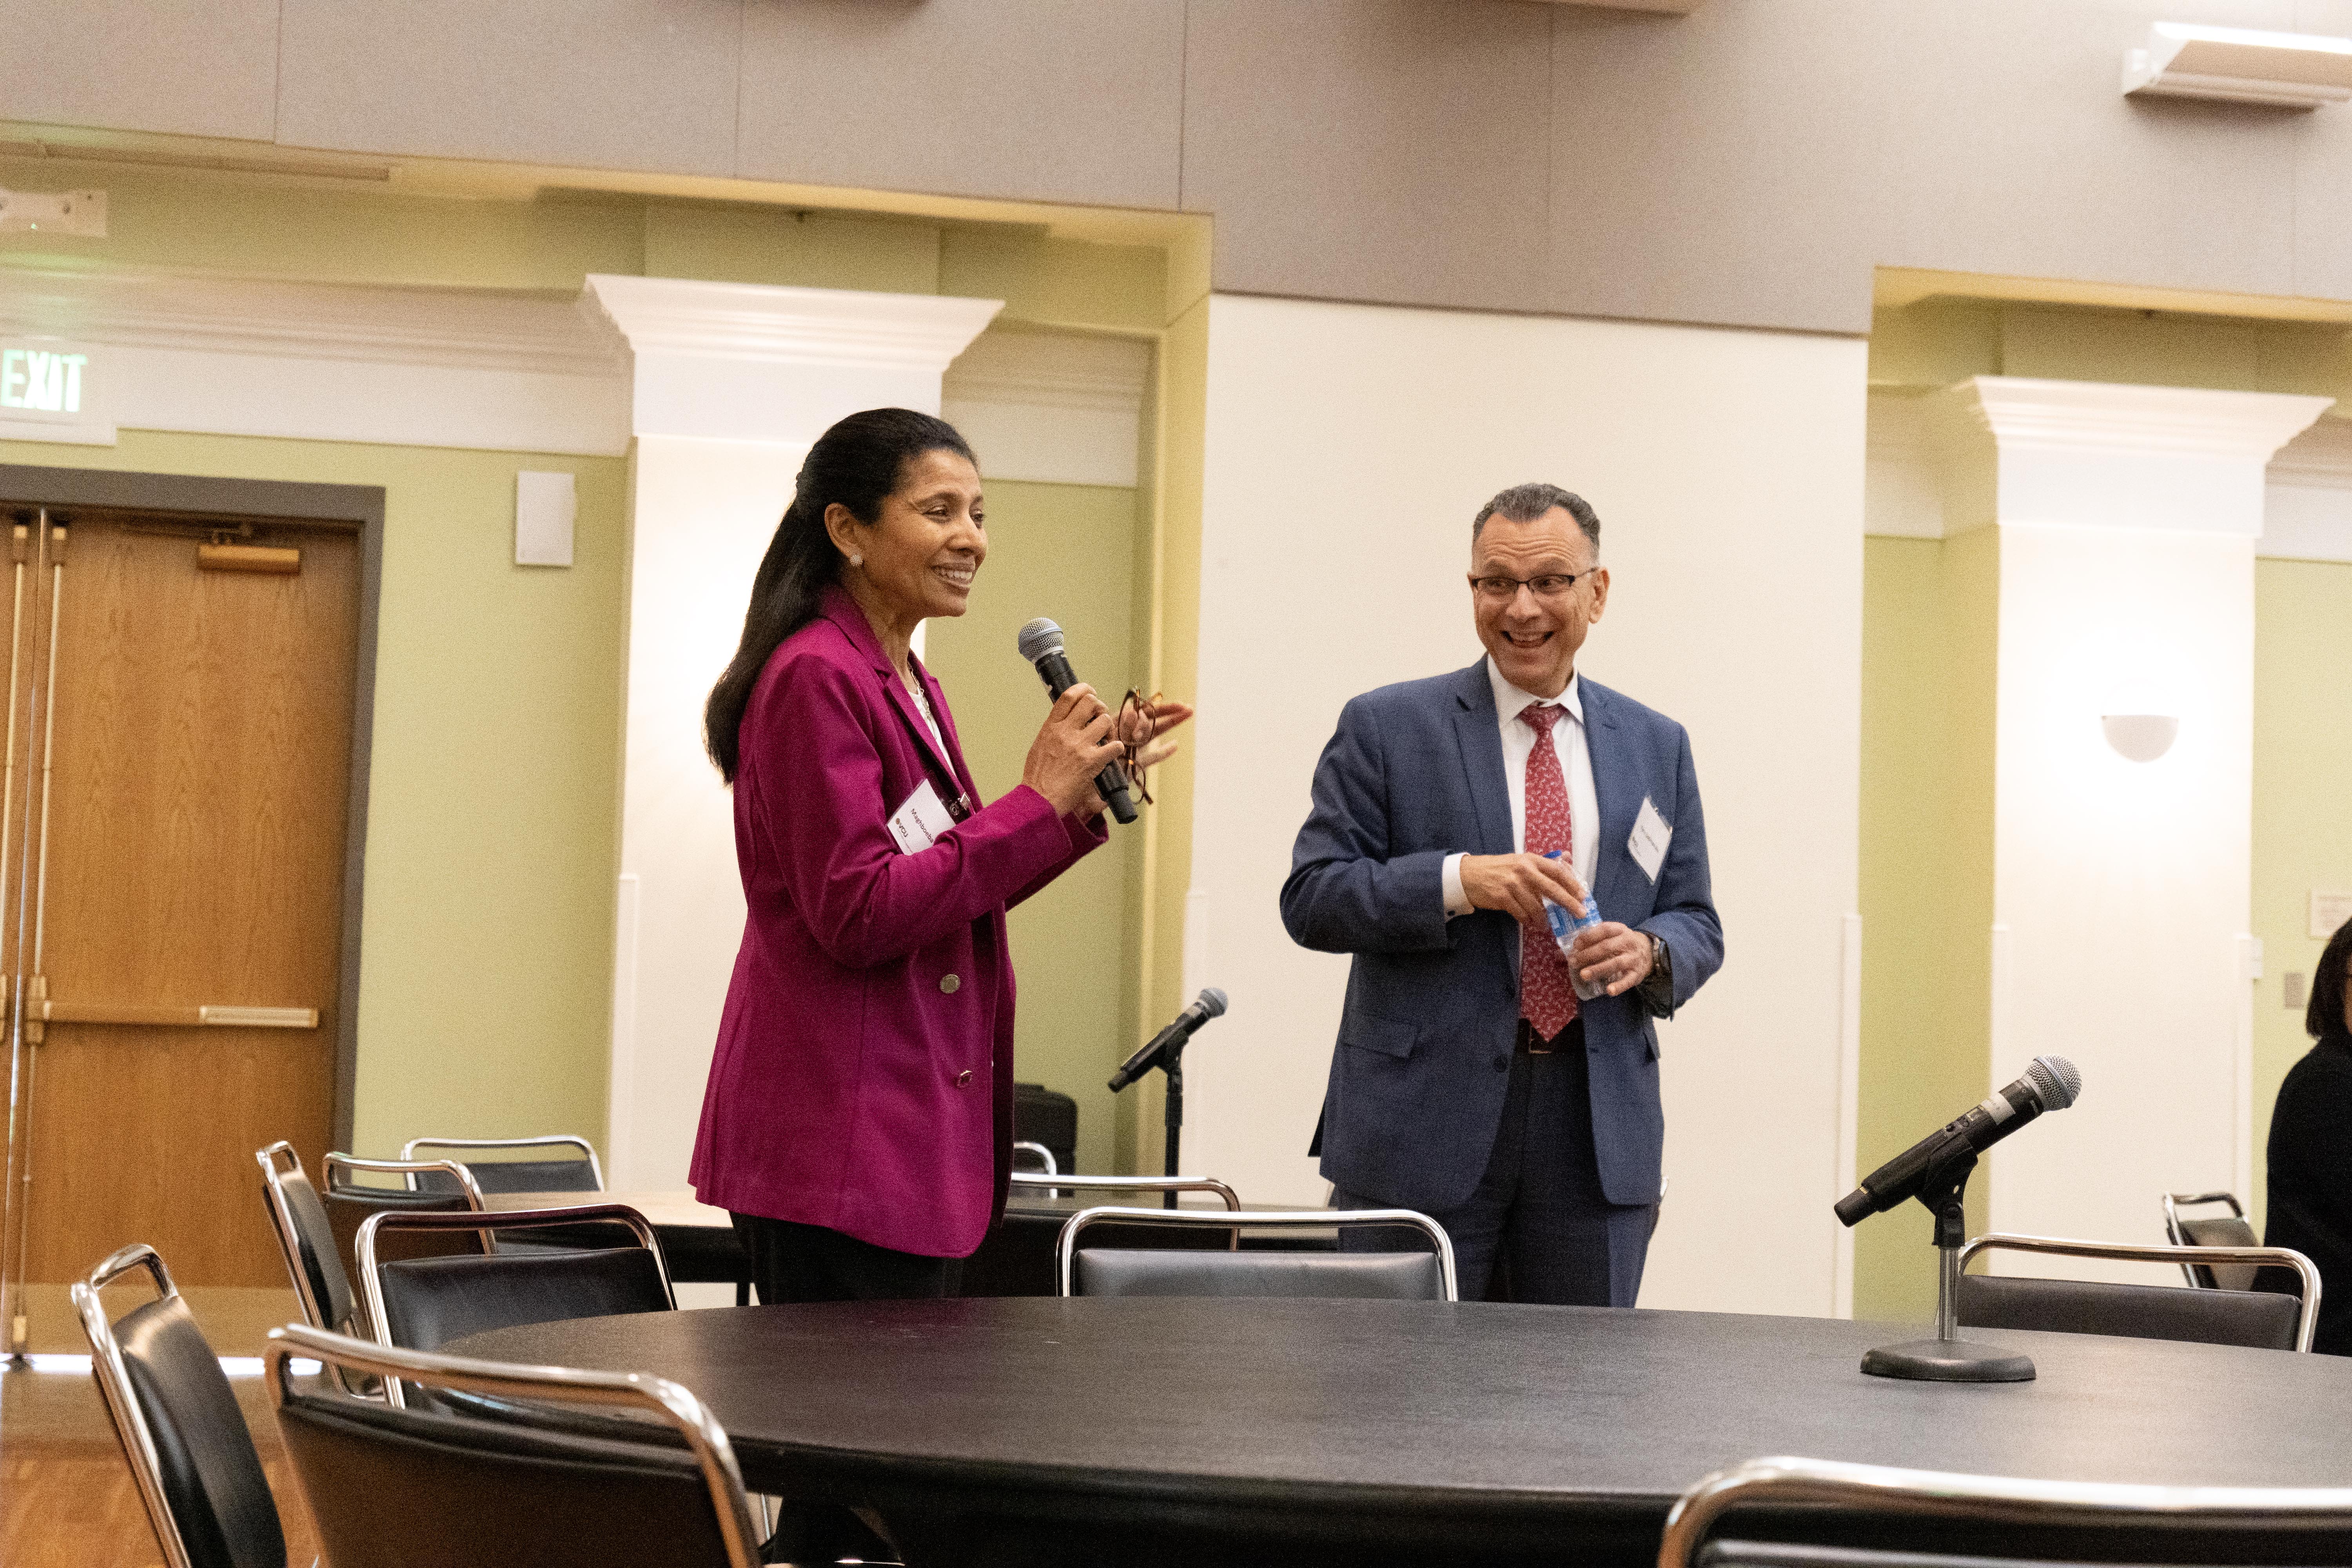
x=1652, y=834
x=917, y=825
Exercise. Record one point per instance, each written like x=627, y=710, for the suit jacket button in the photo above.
x=1502, y=1064
x=964, y=1077
x=951, y=985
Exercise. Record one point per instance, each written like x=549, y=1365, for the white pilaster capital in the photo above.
x=757, y=362
x=2100, y=454
x=2027, y=414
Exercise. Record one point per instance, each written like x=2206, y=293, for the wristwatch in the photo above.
x=1657, y=988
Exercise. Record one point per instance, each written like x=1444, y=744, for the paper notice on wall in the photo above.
x=2328, y=913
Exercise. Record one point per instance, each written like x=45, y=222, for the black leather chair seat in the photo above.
x=2258, y=1319
x=519, y=1177
x=1161, y=1271
x=411, y=1488
x=428, y=1301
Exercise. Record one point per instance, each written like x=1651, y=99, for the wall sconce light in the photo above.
x=2239, y=64
x=2140, y=737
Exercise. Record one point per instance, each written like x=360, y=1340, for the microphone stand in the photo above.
x=1947, y=1358
x=1172, y=1064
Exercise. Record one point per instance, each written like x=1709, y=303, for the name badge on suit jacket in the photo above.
x=1652, y=834
x=917, y=825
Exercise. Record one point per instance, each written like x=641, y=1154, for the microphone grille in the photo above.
x=2060, y=1082
x=1213, y=1002
x=1040, y=638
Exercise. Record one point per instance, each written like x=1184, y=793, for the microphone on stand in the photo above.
x=2051, y=1083
x=1040, y=645
x=1210, y=1005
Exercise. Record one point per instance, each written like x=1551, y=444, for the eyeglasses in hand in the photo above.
x=1135, y=735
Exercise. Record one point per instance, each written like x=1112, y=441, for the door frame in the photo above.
x=279, y=500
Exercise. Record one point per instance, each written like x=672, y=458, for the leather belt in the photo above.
x=1532, y=1044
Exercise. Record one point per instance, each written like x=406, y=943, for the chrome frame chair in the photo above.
x=122, y=1400
x=552, y=1140
x=1052, y=1184
x=1066, y=1246
x=2307, y=1320
x=370, y=1280
x=1052, y=1168
x=668, y=1402
x=1782, y=1482
x=407, y=1170
x=2174, y=1202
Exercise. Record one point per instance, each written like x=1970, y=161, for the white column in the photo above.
x=730, y=385
x=2127, y=519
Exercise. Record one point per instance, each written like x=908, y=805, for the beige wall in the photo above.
x=2302, y=797
x=1748, y=164
x=486, y=933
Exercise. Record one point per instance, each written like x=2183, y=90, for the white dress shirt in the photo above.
x=1576, y=770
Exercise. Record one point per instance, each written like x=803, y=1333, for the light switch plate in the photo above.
x=2298, y=992
x=545, y=507
x=2328, y=913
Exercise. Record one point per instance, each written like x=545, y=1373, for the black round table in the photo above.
x=1144, y=1430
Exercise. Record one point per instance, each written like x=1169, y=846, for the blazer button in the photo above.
x=1502, y=1064
x=951, y=985
x=964, y=1077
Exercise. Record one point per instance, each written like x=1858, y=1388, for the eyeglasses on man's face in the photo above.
x=1549, y=586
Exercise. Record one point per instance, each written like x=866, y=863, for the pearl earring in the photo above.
x=857, y=561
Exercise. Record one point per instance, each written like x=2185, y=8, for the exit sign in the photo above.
x=53, y=391
x=42, y=381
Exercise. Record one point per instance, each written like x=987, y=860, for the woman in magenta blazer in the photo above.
x=857, y=1121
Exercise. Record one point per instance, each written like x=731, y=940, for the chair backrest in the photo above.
x=1815, y=1509
x=314, y=1258
x=409, y=1489
x=2262, y=1321
x=182, y=1433
x=423, y=1303
x=1134, y=1272
x=2211, y=1230
x=1042, y=1158
x=579, y=1174
x=426, y=1187
x=1039, y=1183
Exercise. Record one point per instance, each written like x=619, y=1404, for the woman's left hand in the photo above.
x=1166, y=714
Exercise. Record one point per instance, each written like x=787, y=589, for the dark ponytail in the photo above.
x=857, y=463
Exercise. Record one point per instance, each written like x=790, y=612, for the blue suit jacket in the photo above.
x=1413, y=774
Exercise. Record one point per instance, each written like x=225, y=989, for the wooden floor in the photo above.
x=67, y=1498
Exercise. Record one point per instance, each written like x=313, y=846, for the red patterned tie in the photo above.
x=1546, y=991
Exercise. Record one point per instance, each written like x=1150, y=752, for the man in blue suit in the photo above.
x=1469, y=1080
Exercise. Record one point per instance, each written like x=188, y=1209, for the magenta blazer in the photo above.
x=862, y=1078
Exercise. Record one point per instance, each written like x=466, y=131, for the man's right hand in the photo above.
x=1519, y=885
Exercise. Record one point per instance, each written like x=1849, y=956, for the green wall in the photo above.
x=1064, y=550
x=2302, y=797
x=1929, y=641
x=486, y=930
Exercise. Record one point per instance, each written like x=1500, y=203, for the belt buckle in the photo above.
x=1532, y=1044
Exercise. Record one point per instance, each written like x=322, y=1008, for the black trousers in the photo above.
x=793, y=1262
x=1537, y=1227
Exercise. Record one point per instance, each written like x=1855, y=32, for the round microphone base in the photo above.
x=1947, y=1361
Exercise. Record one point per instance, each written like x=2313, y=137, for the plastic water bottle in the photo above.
x=1564, y=927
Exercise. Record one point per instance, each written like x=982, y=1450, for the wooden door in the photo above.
x=174, y=880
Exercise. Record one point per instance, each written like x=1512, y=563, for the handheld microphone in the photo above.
x=2051, y=1083
x=1040, y=645
x=1210, y=1005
